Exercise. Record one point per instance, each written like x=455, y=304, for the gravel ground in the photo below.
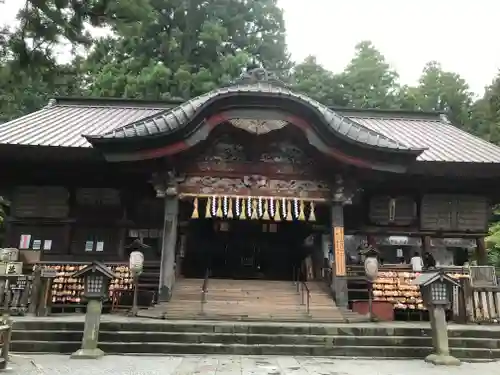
x=233, y=365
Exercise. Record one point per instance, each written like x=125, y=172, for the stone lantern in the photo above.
x=437, y=291
x=97, y=278
x=371, y=273
x=136, y=263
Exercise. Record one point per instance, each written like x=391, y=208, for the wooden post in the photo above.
x=426, y=245
x=6, y=339
x=339, y=281
x=481, y=254
x=169, y=242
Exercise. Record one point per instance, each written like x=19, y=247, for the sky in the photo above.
x=461, y=35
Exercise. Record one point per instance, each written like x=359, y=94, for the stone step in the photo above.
x=140, y=347
x=250, y=339
x=249, y=299
x=383, y=330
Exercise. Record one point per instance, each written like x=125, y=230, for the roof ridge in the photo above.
x=159, y=123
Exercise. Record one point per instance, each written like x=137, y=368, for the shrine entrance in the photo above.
x=245, y=249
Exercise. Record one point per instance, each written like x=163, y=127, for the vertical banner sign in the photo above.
x=338, y=238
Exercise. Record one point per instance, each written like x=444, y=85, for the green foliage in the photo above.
x=185, y=48
x=368, y=80
x=441, y=91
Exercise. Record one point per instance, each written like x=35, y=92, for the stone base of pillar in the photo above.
x=87, y=354
x=165, y=294
x=442, y=360
x=339, y=289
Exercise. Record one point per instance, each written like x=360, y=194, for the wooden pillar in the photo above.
x=166, y=188
x=426, y=245
x=167, y=271
x=481, y=253
x=339, y=279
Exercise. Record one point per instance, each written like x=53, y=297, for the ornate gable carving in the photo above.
x=227, y=150
x=224, y=150
x=284, y=152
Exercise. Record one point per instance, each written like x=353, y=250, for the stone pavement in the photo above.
x=234, y=365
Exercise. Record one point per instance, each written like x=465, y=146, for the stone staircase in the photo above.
x=121, y=335
x=252, y=300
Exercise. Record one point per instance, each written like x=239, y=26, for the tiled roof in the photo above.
x=172, y=119
x=63, y=123
x=442, y=141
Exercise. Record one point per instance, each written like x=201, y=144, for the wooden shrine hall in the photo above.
x=254, y=200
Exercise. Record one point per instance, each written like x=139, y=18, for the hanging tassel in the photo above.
x=277, y=216
x=195, y=214
x=312, y=214
x=265, y=216
x=230, y=209
x=249, y=207
x=237, y=207
x=219, y=207
x=289, y=216
x=302, y=215
x=214, y=206
x=243, y=215
x=295, y=208
x=208, y=208
x=255, y=214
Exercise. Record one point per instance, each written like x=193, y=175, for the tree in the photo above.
x=441, y=91
x=368, y=80
x=185, y=48
x=313, y=80
x=485, y=120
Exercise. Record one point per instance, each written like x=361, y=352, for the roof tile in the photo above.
x=63, y=124
x=173, y=119
x=442, y=141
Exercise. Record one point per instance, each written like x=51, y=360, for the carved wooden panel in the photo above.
x=471, y=213
x=97, y=203
x=454, y=212
x=226, y=155
x=386, y=210
x=42, y=202
x=285, y=152
x=436, y=212
x=224, y=150
x=97, y=197
x=255, y=185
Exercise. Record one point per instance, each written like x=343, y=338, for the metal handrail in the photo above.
x=307, y=293
x=204, y=290
x=303, y=289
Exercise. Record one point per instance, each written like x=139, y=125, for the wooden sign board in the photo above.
x=11, y=269
x=338, y=248
x=48, y=273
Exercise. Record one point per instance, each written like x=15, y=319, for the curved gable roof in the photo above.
x=171, y=120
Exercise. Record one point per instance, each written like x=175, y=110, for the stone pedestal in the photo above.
x=89, y=349
x=441, y=355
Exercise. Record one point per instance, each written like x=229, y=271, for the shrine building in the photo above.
x=249, y=187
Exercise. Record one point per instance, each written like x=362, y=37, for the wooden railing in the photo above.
x=478, y=304
x=15, y=295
